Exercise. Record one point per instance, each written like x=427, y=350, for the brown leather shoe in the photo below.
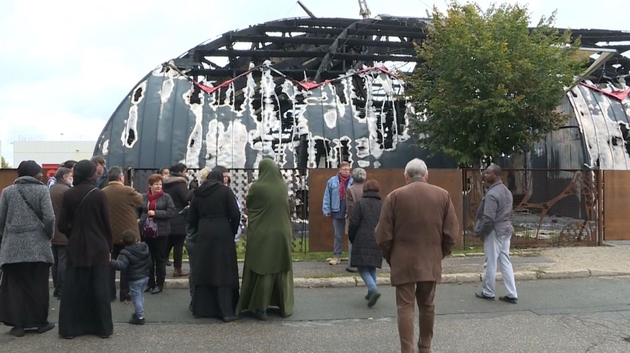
x=179, y=273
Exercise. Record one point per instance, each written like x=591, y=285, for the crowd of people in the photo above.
x=86, y=224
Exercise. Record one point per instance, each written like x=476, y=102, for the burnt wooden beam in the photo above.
x=319, y=41
x=359, y=31
x=304, y=54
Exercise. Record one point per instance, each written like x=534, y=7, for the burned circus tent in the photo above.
x=306, y=92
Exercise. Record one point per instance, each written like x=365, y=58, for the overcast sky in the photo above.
x=65, y=65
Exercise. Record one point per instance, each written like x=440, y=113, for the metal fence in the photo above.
x=551, y=207
x=240, y=180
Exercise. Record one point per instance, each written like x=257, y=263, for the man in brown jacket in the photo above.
x=63, y=182
x=124, y=202
x=416, y=230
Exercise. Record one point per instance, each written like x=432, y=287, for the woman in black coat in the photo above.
x=157, y=210
x=176, y=185
x=215, y=215
x=366, y=256
x=84, y=219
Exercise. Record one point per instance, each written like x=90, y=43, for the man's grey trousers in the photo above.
x=497, y=250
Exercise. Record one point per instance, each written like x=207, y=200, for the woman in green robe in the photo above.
x=268, y=271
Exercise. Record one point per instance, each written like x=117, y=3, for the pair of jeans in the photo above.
x=136, y=291
x=157, y=248
x=368, y=274
x=339, y=226
x=58, y=267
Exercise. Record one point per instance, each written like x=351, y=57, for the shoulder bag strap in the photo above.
x=39, y=216
x=84, y=197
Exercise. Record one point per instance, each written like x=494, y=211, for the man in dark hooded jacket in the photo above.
x=176, y=185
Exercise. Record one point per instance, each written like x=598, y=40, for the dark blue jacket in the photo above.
x=133, y=262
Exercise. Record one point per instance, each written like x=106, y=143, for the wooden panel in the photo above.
x=616, y=205
x=321, y=233
x=7, y=177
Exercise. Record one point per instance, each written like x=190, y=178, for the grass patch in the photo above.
x=301, y=252
x=329, y=275
x=467, y=250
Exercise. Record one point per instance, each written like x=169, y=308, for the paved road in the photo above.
x=581, y=315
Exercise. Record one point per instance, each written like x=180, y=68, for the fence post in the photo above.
x=129, y=175
x=600, y=206
x=465, y=199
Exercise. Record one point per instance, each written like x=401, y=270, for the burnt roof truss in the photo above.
x=319, y=49
x=324, y=48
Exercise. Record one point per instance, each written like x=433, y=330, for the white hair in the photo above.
x=416, y=168
x=359, y=175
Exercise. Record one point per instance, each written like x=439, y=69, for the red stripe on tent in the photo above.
x=619, y=95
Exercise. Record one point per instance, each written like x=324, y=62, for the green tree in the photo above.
x=3, y=163
x=489, y=85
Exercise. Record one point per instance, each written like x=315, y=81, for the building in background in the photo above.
x=51, y=152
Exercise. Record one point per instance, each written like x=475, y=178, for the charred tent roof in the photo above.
x=319, y=49
x=166, y=118
x=324, y=48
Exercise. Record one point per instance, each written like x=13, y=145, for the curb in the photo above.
x=526, y=253
x=457, y=278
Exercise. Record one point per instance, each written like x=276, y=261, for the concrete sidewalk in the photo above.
x=531, y=264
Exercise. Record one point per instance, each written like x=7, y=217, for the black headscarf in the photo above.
x=84, y=172
x=178, y=168
x=216, y=175
x=29, y=168
x=214, y=181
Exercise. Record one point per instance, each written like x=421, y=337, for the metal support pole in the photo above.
x=465, y=202
x=308, y=12
x=600, y=206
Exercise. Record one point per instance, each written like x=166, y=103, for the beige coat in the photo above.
x=124, y=202
x=416, y=230
x=353, y=195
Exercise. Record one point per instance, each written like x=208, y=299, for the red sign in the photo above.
x=49, y=170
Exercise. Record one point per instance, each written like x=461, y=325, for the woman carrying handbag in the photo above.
x=157, y=210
